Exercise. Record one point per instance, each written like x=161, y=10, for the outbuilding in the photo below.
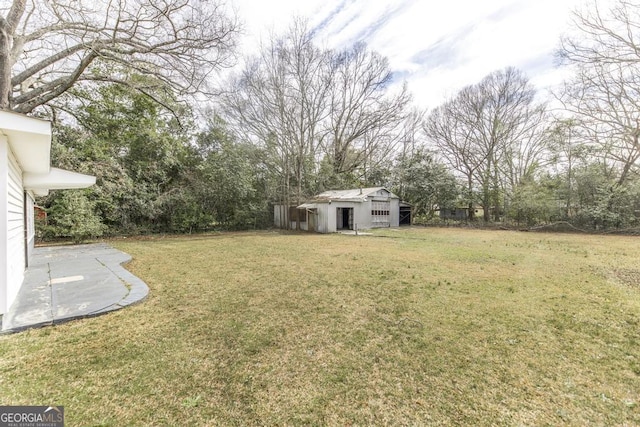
x=460, y=213
x=25, y=172
x=336, y=210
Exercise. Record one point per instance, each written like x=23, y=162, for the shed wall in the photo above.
x=395, y=212
x=362, y=213
x=327, y=221
x=322, y=221
x=331, y=212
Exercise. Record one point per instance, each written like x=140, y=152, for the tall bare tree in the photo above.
x=604, y=94
x=279, y=101
x=489, y=132
x=568, y=154
x=316, y=108
x=447, y=127
x=47, y=47
x=362, y=117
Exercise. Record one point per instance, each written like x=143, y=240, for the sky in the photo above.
x=436, y=46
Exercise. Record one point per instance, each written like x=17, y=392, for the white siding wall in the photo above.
x=321, y=217
x=395, y=212
x=15, y=230
x=362, y=213
x=12, y=244
x=4, y=180
x=328, y=215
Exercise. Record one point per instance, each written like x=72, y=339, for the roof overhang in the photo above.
x=338, y=200
x=30, y=140
x=56, y=179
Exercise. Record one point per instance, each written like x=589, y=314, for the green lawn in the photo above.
x=410, y=327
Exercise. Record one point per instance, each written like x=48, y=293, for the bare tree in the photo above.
x=47, y=47
x=362, y=117
x=489, y=133
x=448, y=128
x=317, y=109
x=525, y=150
x=280, y=101
x=568, y=154
x=412, y=135
x=609, y=36
x=604, y=95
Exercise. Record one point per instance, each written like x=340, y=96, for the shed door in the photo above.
x=344, y=219
x=405, y=215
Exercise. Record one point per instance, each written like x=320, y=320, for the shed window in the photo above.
x=380, y=212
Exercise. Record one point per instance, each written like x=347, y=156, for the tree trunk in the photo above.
x=7, y=28
x=495, y=193
x=298, y=197
x=5, y=63
x=472, y=211
x=486, y=201
x=569, y=186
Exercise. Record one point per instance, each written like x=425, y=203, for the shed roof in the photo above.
x=354, y=195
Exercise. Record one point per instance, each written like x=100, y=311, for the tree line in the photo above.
x=125, y=87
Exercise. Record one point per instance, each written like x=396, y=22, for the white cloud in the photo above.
x=438, y=46
x=260, y=18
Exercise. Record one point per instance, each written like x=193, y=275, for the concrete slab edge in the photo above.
x=138, y=292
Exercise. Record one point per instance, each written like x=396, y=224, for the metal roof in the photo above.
x=353, y=195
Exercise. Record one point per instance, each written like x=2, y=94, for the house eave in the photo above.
x=56, y=179
x=29, y=139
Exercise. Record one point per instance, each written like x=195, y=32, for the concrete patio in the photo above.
x=69, y=282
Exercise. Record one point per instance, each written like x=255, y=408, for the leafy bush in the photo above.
x=73, y=215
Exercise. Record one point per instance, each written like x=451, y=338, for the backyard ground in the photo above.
x=406, y=327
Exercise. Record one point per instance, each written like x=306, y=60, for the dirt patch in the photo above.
x=627, y=276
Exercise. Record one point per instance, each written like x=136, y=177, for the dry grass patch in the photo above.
x=418, y=326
